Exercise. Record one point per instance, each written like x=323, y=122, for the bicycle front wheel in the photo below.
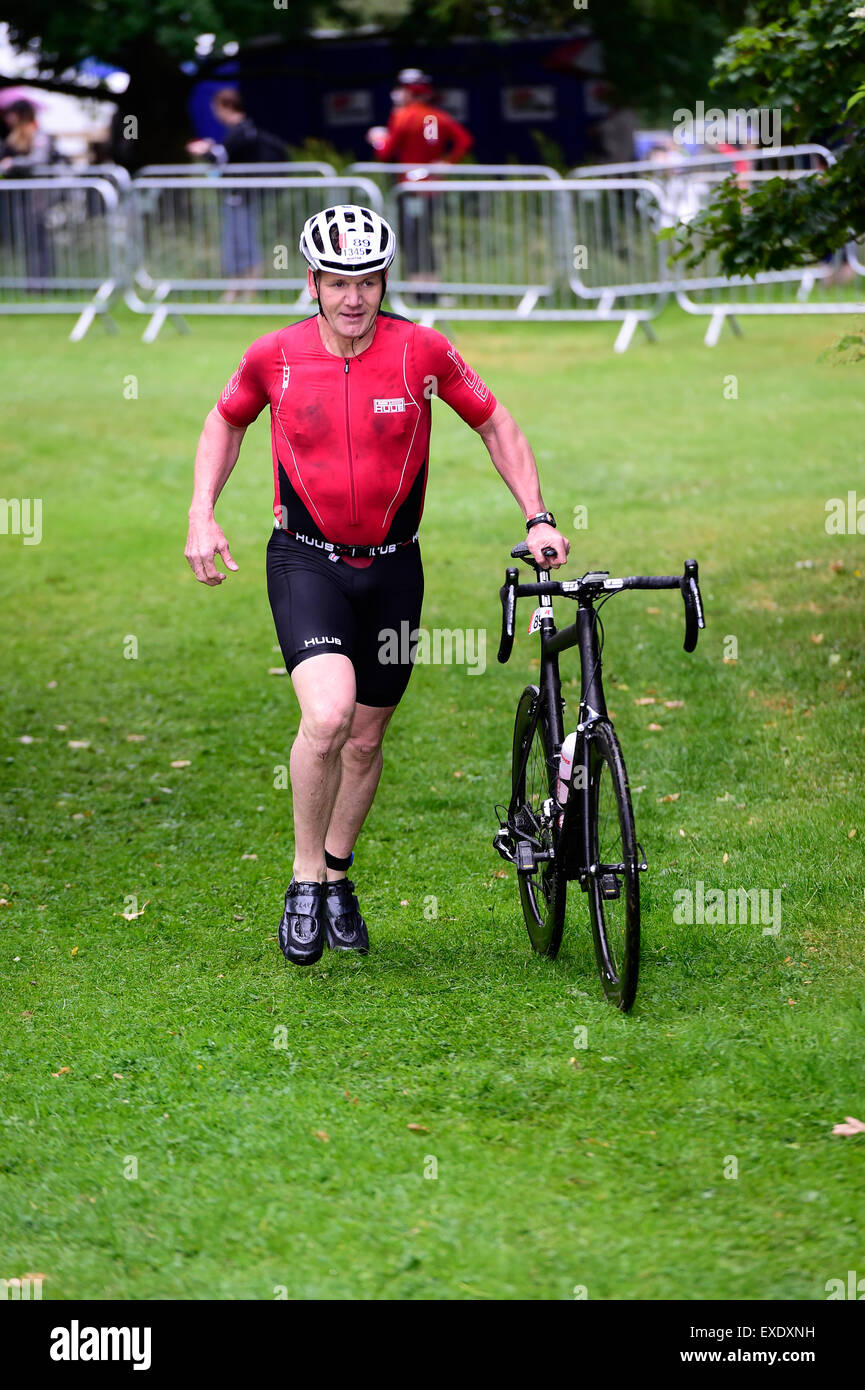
x=535, y=820
x=614, y=878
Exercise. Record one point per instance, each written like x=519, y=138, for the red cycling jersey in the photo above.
x=422, y=134
x=351, y=435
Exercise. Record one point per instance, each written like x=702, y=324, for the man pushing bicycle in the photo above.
x=349, y=394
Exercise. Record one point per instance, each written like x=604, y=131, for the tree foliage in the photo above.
x=808, y=61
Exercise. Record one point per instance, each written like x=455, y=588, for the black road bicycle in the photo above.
x=577, y=825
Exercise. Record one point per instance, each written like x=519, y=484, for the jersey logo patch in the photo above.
x=285, y=374
x=392, y=405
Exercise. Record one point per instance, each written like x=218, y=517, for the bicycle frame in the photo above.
x=581, y=634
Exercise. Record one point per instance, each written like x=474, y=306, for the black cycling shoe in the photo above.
x=301, y=931
x=345, y=929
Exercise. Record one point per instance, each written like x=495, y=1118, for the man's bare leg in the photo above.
x=361, y=769
x=325, y=688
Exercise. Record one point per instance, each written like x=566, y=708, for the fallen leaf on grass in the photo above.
x=850, y=1126
x=130, y=916
x=726, y=857
x=4, y=902
x=323, y=1135
x=671, y=796
x=135, y=738
x=276, y=671
x=851, y=834
x=181, y=762
x=816, y=638
x=645, y=700
x=62, y=1072
x=503, y=873
x=78, y=743
x=74, y=951
x=352, y=1100
x=653, y=610
x=656, y=728
x=674, y=704
x=418, y=1129
x=117, y=1075
x=249, y=856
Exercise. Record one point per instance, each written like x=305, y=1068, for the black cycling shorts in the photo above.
x=369, y=615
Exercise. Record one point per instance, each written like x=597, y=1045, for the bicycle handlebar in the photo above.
x=593, y=583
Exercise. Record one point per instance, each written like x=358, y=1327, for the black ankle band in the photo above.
x=340, y=864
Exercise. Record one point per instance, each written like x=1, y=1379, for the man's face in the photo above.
x=350, y=302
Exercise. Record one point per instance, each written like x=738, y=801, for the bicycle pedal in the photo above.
x=609, y=886
x=525, y=859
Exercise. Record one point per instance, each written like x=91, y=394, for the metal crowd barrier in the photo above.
x=498, y=248
x=413, y=172
x=60, y=251
x=114, y=173
x=287, y=169
x=564, y=249
x=827, y=287
x=687, y=184
x=224, y=246
x=780, y=157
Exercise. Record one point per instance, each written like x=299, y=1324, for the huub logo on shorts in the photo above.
x=388, y=405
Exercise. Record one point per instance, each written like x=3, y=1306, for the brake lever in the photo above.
x=694, y=618
x=508, y=596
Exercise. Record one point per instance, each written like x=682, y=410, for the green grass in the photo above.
x=607, y=1174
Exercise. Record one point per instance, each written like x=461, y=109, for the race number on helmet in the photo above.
x=348, y=238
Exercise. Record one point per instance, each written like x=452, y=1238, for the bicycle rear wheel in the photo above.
x=614, y=878
x=535, y=821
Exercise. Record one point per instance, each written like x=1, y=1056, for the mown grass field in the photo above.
x=268, y=1109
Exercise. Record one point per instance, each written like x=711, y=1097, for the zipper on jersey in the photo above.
x=348, y=450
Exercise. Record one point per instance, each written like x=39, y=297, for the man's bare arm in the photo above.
x=512, y=456
x=215, y=457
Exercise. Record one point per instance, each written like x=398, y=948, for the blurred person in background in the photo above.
x=23, y=153
x=420, y=133
x=242, y=143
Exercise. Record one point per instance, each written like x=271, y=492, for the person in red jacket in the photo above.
x=349, y=396
x=418, y=133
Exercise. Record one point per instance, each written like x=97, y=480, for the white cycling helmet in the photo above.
x=348, y=238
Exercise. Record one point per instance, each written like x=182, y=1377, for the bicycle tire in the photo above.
x=614, y=897
x=543, y=892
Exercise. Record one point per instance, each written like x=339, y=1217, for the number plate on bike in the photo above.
x=535, y=623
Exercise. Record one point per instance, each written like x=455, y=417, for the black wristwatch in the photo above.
x=537, y=520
